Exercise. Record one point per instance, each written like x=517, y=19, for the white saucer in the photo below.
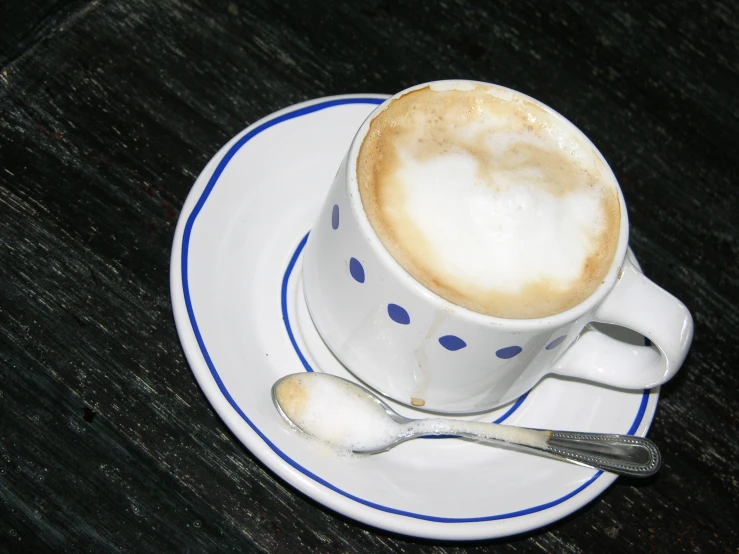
x=240, y=314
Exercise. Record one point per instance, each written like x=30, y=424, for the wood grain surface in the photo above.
x=109, y=110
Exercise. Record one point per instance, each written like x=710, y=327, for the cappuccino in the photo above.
x=489, y=200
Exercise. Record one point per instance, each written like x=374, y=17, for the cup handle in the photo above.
x=637, y=303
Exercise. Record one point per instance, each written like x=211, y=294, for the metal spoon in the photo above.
x=348, y=416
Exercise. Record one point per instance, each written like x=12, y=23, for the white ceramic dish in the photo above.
x=241, y=317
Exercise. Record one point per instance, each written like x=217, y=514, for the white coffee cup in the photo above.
x=415, y=347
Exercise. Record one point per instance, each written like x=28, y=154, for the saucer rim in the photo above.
x=259, y=444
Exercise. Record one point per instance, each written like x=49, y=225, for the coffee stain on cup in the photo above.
x=435, y=324
x=420, y=375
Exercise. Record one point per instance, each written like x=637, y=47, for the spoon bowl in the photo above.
x=350, y=417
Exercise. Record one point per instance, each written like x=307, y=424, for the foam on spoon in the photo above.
x=335, y=412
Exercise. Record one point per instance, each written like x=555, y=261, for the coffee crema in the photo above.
x=489, y=200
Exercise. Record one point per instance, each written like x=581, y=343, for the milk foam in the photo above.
x=489, y=201
x=499, y=238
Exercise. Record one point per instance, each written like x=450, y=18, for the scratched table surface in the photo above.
x=108, y=112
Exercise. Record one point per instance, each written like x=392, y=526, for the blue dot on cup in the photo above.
x=398, y=314
x=452, y=342
x=356, y=269
x=556, y=342
x=508, y=352
x=335, y=217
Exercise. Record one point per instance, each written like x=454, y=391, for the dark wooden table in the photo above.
x=109, y=110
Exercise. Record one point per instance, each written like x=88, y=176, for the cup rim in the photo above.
x=556, y=320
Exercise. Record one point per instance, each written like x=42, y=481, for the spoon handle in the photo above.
x=621, y=454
